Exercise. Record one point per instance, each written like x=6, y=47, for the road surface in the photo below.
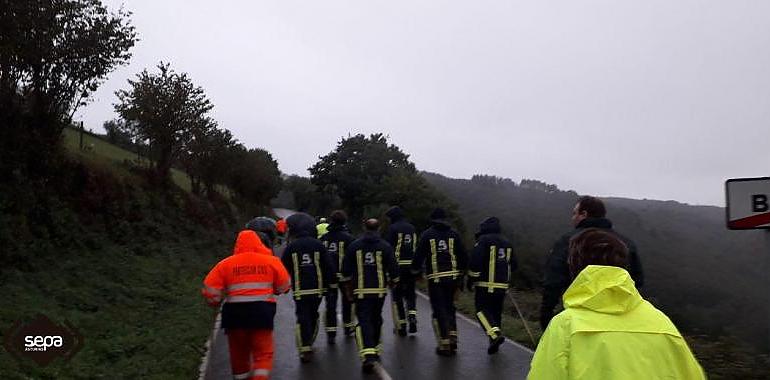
x=410, y=357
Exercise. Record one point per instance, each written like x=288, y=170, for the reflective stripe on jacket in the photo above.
x=608, y=331
x=370, y=266
x=492, y=262
x=310, y=266
x=441, y=252
x=251, y=274
x=402, y=237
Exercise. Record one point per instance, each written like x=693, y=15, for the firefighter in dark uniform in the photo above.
x=336, y=240
x=440, y=251
x=368, y=268
x=312, y=274
x=402, y=237
x=491, y=264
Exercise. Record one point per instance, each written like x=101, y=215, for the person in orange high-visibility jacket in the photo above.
x=247, y=284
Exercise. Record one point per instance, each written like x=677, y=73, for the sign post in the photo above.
x=748, y=208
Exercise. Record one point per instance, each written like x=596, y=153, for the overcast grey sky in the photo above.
x=644, y=99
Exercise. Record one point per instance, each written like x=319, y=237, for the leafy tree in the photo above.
x=53, y=56
x=306, y=197
x=369, y=175
x=209, y=156
x=119, y=133
x=356, y=169
x=254, y=175
x=165, y=106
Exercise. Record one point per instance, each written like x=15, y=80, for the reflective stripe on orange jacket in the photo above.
x=251, y=274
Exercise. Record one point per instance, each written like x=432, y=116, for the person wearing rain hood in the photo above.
x=336, y=240
x=607, y=330
x=368, y=269
x=247, y=283
x=313, y=276
x=440, y=251
x=402, y=237
x=491, y=264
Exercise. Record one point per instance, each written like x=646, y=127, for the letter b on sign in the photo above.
x=759, y=203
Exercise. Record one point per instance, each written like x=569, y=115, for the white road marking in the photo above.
x=381, y=372
x=476, y=323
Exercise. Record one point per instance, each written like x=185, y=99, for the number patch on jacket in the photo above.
x=369, y=258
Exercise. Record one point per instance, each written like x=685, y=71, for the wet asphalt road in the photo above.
x=411, y=357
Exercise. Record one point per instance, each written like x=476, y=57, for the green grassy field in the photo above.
x=101, y=153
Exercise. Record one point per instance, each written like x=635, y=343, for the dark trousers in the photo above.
x=331, y=310
x=443, y=304
x=306, y=309
x=489, y=310
x=404, y=298
x=369, y=329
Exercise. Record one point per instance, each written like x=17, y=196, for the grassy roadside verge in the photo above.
x=141, y=316
x=94, y=245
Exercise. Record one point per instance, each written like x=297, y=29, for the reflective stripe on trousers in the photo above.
x=253, y=373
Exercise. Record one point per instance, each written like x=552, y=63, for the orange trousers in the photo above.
x=251, y=353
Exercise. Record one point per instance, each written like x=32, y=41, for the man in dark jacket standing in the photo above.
x=336, y=240
x=369, y=267
x=589, y=212
x=492, y=264
x=312, y=274
x=440, y=250
x=402, y=237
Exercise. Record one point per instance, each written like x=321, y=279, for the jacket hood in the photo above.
x=439, y=216
x=595, y=223
x=301, y=224
x=490, y=225
x=249, y=242
x=604, y=289
x=395, y=213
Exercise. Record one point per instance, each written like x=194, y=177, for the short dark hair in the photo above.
x=594, y=207
x=338, y=217
x=594, y=246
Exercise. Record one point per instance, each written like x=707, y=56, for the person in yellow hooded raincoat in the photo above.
x=607, y=331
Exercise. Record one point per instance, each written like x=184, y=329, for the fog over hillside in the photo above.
x=706, y=278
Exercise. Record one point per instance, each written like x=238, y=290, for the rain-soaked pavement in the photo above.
x=411, y=357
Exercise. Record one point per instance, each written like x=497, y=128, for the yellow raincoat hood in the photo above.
x=608, y=331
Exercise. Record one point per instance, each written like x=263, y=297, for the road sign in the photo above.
x=748, y=203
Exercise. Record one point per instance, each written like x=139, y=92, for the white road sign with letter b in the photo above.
x=748, y=203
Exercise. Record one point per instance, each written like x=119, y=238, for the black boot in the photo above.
x=412, y=321
x=369, y=362
x=494, y=344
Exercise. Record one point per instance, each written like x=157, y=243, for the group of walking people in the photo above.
x=607, y=331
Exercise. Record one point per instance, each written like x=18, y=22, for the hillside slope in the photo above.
x=95, y=246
